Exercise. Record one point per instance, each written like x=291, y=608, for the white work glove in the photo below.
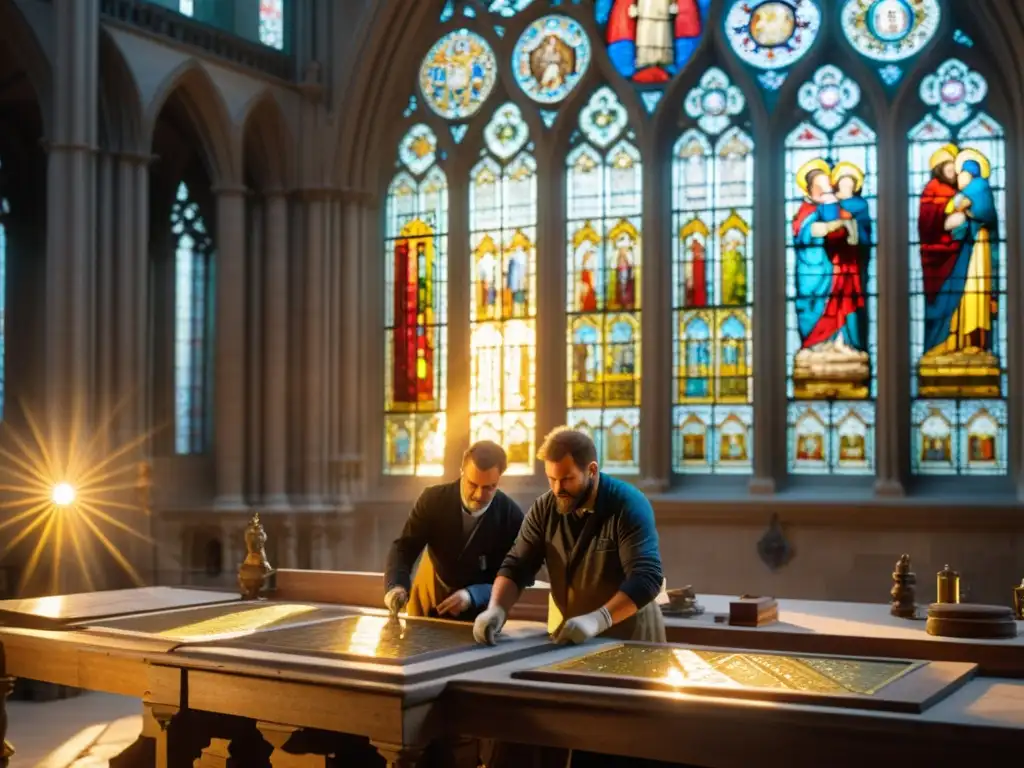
x=488, y=625
x=455, y=604
x=579, y=629
x=395, y=600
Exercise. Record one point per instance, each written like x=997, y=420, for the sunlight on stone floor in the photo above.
x=81, y=732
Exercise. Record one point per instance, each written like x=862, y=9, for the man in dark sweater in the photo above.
x=598, y=538
x=467, y=527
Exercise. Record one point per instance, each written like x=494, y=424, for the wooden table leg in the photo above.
x=6, y=687
x=398, y=755
x=277, y=736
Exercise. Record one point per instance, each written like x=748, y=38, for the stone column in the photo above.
x=769, y=340
x=655, y=344
x=229, y=363
x=313, y=352
x=254, y=432
x=106, y=290
x=275, y=352
x=135, y=253
x=71, y=196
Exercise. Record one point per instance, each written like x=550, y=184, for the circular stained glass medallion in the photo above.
x=774, y=33
x=550, y=58
x=890, y=30
x=457, y=74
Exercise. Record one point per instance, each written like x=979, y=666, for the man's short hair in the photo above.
x=563, y=441
x=486, y=454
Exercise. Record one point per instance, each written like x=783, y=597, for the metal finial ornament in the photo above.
x=255, y=569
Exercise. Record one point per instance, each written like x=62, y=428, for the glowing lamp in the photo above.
x=63, y=494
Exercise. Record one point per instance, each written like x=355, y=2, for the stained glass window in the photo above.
x=890, y=31
x=507, y=8
x=957, y=163
x=830, y=185
x=272, y=23
x=186, y=7
x=416, y=315
x=4, y=211
x=503, y=296
x=712, y=276
x=772, y=36
x=604, y=200
x=550, y=58
x=458, y=74
x=193, y=302
x=651, y=42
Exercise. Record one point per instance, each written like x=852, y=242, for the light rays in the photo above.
x=66, y=493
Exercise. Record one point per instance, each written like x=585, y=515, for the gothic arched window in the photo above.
x=604, y=204
x=416, y=315
x=503, y=303
x=712, y=282
x=193, y=320
x=957, y=166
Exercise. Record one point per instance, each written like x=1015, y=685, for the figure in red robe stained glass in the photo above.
x=413, y=380
x=939, y=250
x=649, y=41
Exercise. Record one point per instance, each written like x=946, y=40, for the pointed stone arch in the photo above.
x=267, y=144
x=120, y=101
x=191, y=88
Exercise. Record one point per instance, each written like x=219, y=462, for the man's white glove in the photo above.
x=488, y=625
x=395, y=600
x=579, y=629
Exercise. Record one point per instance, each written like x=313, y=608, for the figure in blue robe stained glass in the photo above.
x=650, y=41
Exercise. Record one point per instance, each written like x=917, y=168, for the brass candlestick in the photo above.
x=255, y=569
x=947, y=586
x=1018, y=601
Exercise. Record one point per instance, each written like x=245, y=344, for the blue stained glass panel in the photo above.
x=772, y=35
x=890, y=30
x=458, y=74
x=831, y=286
x=958, y=280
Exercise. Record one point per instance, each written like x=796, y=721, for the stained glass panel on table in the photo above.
x=957, y=166
x=649, y=43
x=831, y=209
x=416, y=309
x=193, y=334
x=712, y=283
x=503, y=290
x=458, y=74
x=604, y=201
x=550, y=58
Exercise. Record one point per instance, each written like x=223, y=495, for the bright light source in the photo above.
x=63, y=494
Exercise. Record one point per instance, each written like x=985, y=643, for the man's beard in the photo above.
x=475, y=507
x=566, y=505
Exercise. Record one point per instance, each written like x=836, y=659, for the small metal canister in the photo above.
x=1018, y=601
x=947, y=586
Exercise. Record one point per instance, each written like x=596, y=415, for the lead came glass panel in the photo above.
x=416, y=309
x=712, y=283
x=503, y=294
x=831, y=180
x=272, y=23
x=957, y=164
x=458, y=74
x=604, y=202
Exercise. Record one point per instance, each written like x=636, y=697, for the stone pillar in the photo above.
x=254, y=431
x=769, y=294
x=313, y=365
x=354, y=326
x=275, y=352
x=71, y=207
x=655, y=343
x=136, y=261
x=106, y=290
x=229, y=363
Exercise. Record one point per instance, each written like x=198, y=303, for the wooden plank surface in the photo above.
x=61, y=610
x=850, y=629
